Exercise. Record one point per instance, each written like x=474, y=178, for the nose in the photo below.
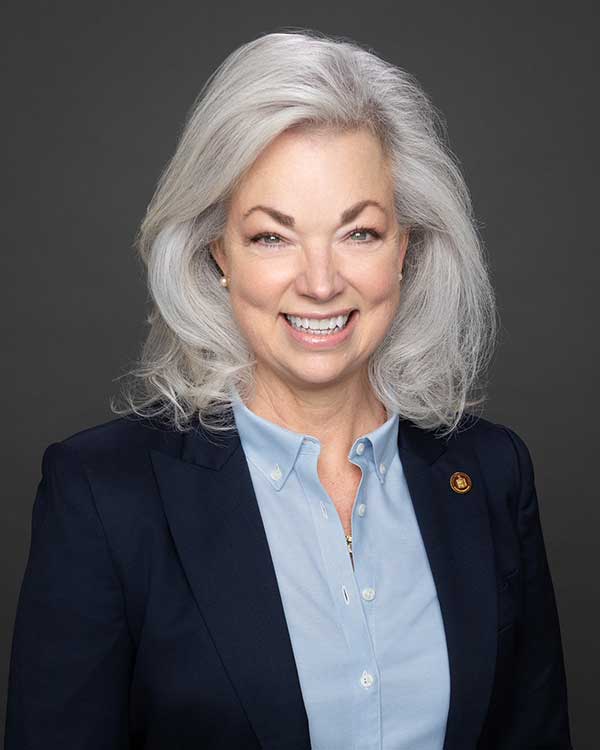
x=319, y=277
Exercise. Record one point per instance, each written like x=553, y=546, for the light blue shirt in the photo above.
x=368, y=641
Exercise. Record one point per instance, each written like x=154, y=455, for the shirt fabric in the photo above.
x=368, y=641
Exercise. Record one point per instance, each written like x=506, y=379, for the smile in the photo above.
x=322, y=327
x=320, y=333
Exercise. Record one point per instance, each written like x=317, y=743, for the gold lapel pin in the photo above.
x=460, y=482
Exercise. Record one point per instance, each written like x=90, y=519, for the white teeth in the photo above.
x=324, y=326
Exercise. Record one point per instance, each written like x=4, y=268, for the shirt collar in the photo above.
x=274, y=449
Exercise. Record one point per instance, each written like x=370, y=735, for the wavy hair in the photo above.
x=429, y=366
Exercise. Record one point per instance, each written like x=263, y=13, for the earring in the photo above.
x=223, y=280
x=400, y=276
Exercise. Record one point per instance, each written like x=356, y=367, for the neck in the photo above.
x=336, y=414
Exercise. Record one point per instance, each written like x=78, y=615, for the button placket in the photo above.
x=348, y=586
x=327, y=524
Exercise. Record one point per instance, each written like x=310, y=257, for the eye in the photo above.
x=365, y=230
x=265, y=237
x=259, y=239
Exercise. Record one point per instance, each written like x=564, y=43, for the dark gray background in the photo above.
x=94, y=98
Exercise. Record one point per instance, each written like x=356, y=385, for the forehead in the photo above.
x=305, y=163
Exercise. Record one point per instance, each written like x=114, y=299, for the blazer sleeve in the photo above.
x=538, y=716
x=72, y=654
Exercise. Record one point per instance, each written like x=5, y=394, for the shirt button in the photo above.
x=366, y=679
x=382, y=468
x=360, y=449
x=362, y=509
x=368, y=594
x=276, y=473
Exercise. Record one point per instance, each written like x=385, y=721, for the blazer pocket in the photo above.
x=508, y=599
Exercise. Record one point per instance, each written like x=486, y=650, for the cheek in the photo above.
x=255, y=305
x=378, y=287
x=259, y=284
x=253, y=294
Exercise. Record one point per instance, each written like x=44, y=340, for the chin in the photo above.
x=308, y=377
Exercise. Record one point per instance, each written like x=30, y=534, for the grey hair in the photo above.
x=429, y=364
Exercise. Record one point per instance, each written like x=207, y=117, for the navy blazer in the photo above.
x=150, y=616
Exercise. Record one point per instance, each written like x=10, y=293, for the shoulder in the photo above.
x=113, y=445
x=104, y=473
x=490, y=441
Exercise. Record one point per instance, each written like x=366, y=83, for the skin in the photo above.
x=318, y=265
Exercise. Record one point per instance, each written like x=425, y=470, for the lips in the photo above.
x=345, y=317
x=316, y=341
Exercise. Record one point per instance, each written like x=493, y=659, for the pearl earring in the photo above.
x=223, y=280
x=400, y=276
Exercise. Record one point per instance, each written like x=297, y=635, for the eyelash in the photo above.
x=258, y=237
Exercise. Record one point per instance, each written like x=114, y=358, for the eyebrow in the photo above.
x=288, y=221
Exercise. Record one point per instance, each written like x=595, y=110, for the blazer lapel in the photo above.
x=215, y=521
x=457, y=537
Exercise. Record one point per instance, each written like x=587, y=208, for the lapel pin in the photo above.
x=460, y=482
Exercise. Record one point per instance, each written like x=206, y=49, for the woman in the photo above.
x=296, y=534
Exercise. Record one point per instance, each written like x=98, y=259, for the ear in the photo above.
x=403, y=246
x=218, y=253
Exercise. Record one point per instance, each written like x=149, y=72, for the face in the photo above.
x=312, y=241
